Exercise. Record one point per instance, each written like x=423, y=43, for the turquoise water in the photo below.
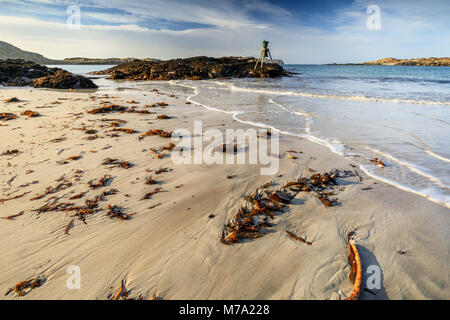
x=396, y=82
x=82, y=69
x=400, y=114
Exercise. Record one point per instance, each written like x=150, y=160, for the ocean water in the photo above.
x=400, y=114
x=82, y=69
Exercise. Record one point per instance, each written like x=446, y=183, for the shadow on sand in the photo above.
x=368, y=259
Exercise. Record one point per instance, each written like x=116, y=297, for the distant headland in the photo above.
x=8, y=51
x=435, y=62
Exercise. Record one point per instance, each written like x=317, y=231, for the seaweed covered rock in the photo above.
x=64, y=80
x=196, y=68
x=17, y=72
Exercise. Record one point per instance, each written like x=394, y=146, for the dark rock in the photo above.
x=17, y=72
x=64, y=80
x=196, y=68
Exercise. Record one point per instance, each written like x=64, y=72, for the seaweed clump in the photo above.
x=5, y=116
x=158, y=132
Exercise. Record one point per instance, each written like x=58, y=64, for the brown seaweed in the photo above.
x=5, y=116
x=155, y=205
x=162, y=170
x=156, y=154
x=117, y=163
x=115, y=121
x=247, y=222
x=325, y=201
x=68, y=226
x=78, y=196
x=55, y=206
x=293, y=236
x=150, y=181
x=74, y=158
x=157, y=104
x=378, y=162
x=108, y=109
x=10, y=152
x=121, y=292
x=100, y=183
x=126, y=130
x=280, y=197
x=117, y=212
x=20, y=287
x=151, y=193
x=50, y=190
x=169, y=147
x=90, y=205
x=159, y=132
x=14, y=216
x=133, y=110
x=355, y=275
x=30, y=114
x=56, y=140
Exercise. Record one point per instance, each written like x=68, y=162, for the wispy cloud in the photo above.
x=171, y=28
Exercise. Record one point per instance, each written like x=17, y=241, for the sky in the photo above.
x=303, y=32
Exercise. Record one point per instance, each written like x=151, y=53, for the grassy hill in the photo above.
x=8, y=51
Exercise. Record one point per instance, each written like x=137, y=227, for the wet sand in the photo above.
x=168, y=245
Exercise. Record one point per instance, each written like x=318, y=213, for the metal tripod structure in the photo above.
x=265, y=52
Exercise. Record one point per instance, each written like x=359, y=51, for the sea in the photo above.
x=399, y=114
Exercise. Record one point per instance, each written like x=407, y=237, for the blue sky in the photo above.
x=312, y=31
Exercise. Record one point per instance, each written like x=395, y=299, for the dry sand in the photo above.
x=172, y=251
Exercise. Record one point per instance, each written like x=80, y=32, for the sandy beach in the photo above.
x=165, y=243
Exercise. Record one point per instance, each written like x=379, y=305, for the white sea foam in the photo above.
x=412, y=167
x=307, y=116
x=431, y=153
x=334, y=146
x=433, y=196
x=339, y=148
x=340, y=97
x=300, y=113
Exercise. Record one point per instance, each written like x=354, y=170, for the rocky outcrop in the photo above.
x=435, y=62
x=17, y=72
x=64, y=80
x=196, y=68
x=100, y=61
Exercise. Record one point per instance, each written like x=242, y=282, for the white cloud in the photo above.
x=407, y=31
x=114, y=18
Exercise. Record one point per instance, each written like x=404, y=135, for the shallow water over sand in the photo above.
x=396, y=113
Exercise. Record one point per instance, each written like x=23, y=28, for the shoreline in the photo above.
x=173, y=251
x=338, y=149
